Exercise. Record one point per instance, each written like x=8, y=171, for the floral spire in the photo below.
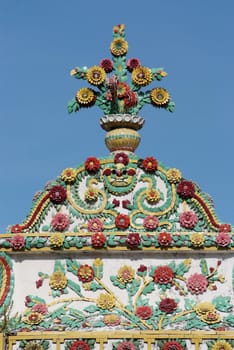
x=113, y=93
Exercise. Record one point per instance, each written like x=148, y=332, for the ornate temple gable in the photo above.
x=120, y=253
x=122, y=201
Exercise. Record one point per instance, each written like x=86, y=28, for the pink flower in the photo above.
x=150, y=222
x=197, y=283
x=95, y=225
x=222, y=239
x=41, y=308
x=133, y=240
x=60, y=222
x=188, y=219
x=17, y=242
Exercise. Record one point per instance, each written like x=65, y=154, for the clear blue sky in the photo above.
x=42, y=40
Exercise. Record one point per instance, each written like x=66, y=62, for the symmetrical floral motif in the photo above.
x=58, y=280
x=95, y=225
x=68, y=175
x=149, y=164
x=185, y=189
x=115, y=95
x=150, y=222
x=164, y=239
x=144, y=312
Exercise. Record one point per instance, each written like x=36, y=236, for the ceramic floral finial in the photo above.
x=115, y=95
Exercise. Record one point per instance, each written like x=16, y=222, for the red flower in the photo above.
x=164, y=239
x=126, y=345
x=107, y=65
x=130, y=99
x=16, y=229
x=197, y=283
x=121, y=158
x=172, y=345
x=150, y=222
x=57, y=194
x=225, y=228
x=122, y=221
x=133, y=240
x=142, y=268
x=115, y=202
x=163, y=275
x=133, y=63
x=79, y=345
x=144, y=312
x=223, y=239
x=185, y=189
x=149, y=164
x=167, y=305
x=85, y=273
x=122, y=89
x=17, y=242
x=98, y=239
x=92, y=164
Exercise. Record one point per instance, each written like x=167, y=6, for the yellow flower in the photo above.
x=73, y=72
x=125, y=274
x=153, y=196
x=34, y=318
x=87, y=286
x=141, y=76
x=221, y=278
x=197, y=239
x=119, y=47
x=33, y=345
x=221, y=344
x=85, y=96
x=57, y=239
x=105, y=301
x=98, y=262
x=91, y=194
x=174, y=175
x=68, y=175
x=211, y=317
x=159, y=96
x=58, y=280
x=204, y=307
x=163, y=74
x=96, y=75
